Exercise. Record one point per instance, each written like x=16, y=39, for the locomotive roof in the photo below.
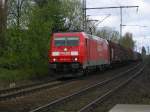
x=86, y=35
x=59, y=33
x=83, y=33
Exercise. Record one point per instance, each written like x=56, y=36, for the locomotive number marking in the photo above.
x=65, y=53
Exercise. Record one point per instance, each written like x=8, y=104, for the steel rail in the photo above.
x=24, y=91
x=55, y=102
x=91, y=105
x=3, y=91
x=9, y=93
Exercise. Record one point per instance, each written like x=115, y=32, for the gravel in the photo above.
x=136, y=92
x=28, y=102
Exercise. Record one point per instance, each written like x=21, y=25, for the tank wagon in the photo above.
x=78, y=51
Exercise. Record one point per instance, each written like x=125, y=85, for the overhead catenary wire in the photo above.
x=112, y=7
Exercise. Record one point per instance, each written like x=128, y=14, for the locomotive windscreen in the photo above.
x=66, y=41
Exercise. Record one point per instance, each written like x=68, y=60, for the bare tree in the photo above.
x=3, y=23
x=108, y=33
x=73, y=13
x=18, y=10
x=127, y=41
x=143, y=51
x=3, y=15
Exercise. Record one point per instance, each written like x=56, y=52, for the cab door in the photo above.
x=88, y=50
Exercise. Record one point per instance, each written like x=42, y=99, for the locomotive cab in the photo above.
x=65, y=52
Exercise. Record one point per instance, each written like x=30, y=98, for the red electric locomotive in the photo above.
x=81, y=52
x=77, y=51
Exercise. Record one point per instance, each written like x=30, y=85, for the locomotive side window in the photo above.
x=66, y=41
x=60, y=42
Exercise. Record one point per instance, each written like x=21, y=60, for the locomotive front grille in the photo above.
x=65, y=66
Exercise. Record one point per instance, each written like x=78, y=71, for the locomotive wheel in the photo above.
x=86, y=72
x=80, y=73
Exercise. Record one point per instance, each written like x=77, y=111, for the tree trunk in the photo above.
x=3, y=23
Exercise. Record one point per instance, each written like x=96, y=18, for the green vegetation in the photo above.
x=24, y=54
x=25, y=37
x=127, y=41
x=14, y=74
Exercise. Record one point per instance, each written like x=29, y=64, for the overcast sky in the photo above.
x=131, y=16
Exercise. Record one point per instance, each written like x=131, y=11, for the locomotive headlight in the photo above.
x=76, y=59
x=55, y=53
x=74, y=53
x=54, y=59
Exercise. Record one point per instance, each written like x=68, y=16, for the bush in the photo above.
x=15, y=74
x=27, y=43
x=28, y=48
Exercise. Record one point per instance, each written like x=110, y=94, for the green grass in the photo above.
x=15, y=74
x=10, y=70
x=9, y=75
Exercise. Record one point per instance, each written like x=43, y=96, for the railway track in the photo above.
x=2, y=91
x=62, y=101
x=10, y=93
x=90, y=107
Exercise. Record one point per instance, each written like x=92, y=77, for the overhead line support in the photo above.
x=114, y=7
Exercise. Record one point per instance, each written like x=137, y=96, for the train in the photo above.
x=79, y=52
